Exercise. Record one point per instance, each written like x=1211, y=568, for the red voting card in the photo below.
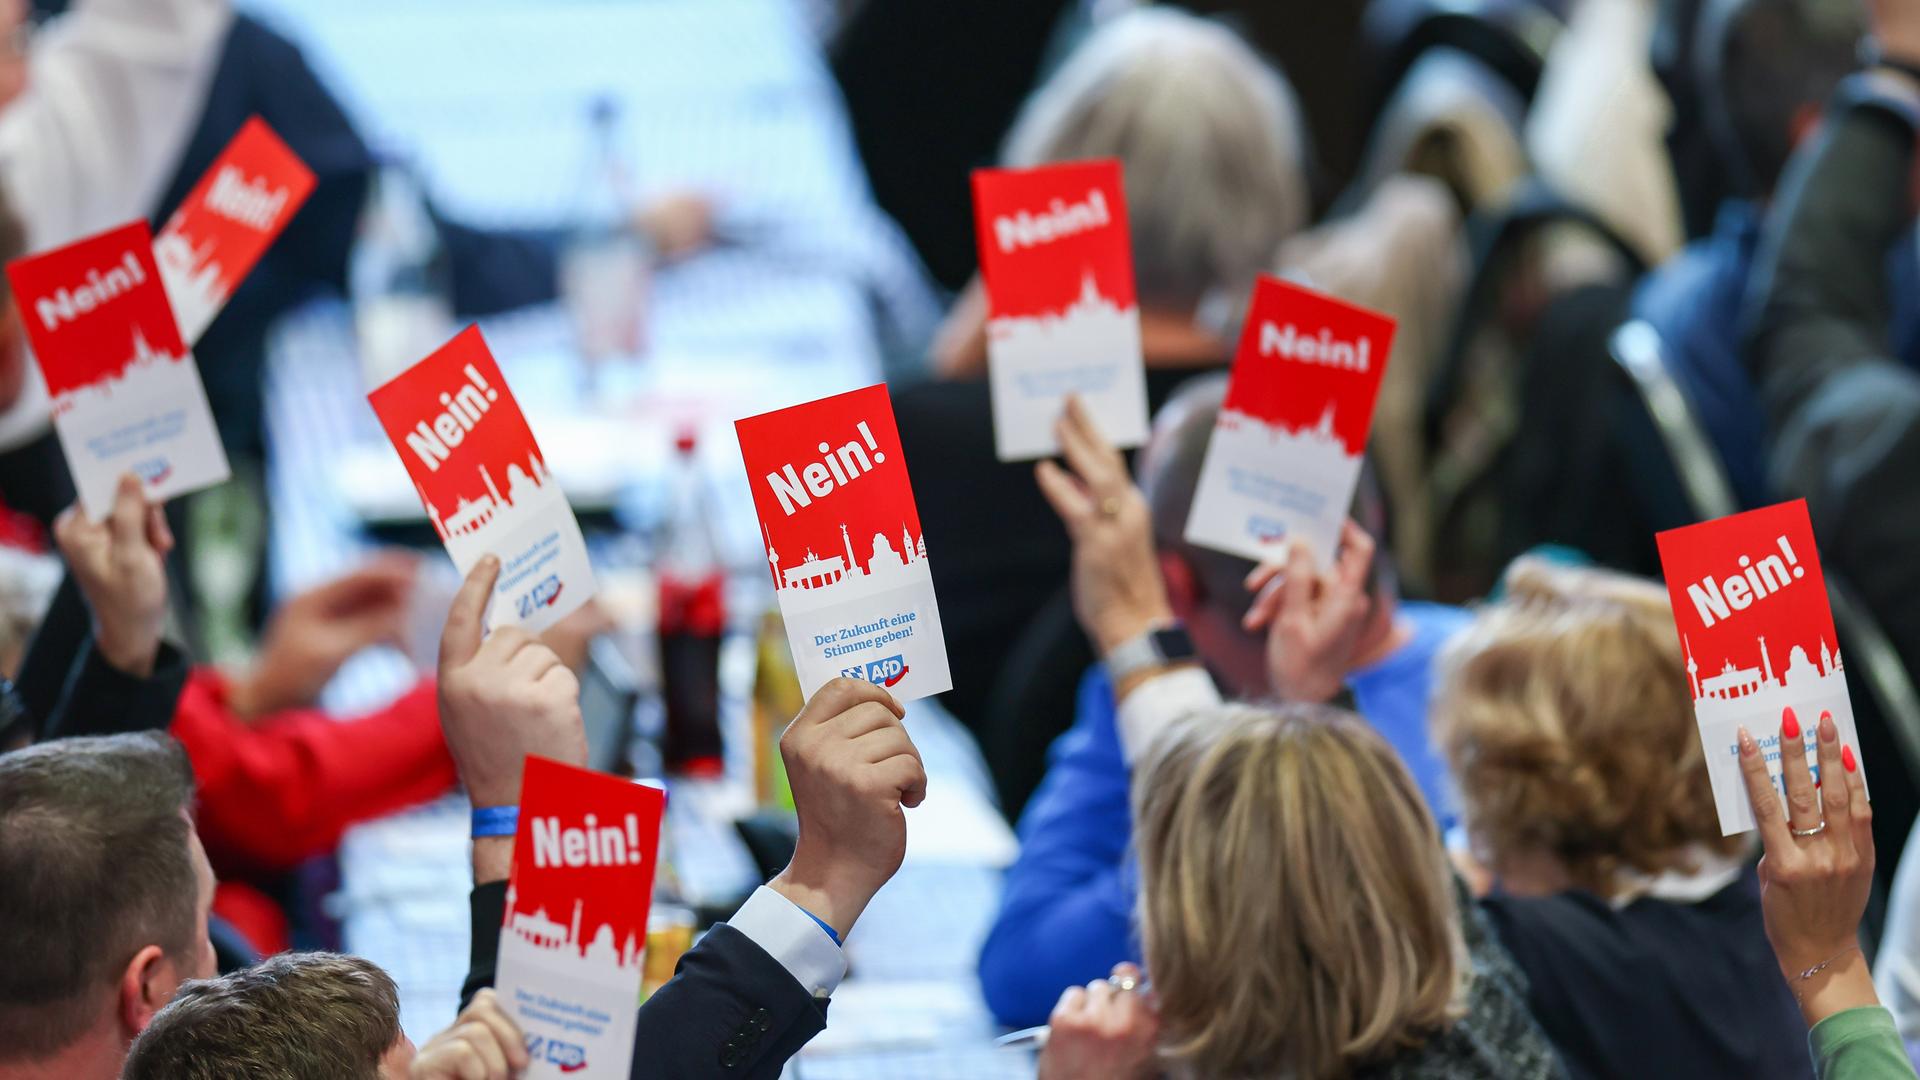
x=484, y=483
x=1751, y=607
x=1058, y=266
x=126, y=393
x=576, y=917
x=843, y=543
x=1287, y=447
x=213, y=239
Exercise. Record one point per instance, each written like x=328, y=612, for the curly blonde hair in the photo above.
x=1565, y=719
x=1297, y=909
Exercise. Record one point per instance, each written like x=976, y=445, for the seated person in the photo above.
x=755, y=988
x=1211, y=145
x=316, y=1016
x=278, y=780
x=1300, y=920
x=1066, y=913
x=1565, y=715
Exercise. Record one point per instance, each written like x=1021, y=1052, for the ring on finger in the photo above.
x=1123, y=982
x=1110, y=506
x=1815, y=831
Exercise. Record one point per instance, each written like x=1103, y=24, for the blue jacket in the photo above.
x=1066, y=915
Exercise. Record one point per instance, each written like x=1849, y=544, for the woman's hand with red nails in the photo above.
x=1818, y=868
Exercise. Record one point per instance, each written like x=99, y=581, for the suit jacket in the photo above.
x=730, y=1010
x=70, y=690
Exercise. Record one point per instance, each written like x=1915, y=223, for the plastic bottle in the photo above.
x=692, y=619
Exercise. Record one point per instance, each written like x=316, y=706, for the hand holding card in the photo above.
x=1058, y=265
x=1750, y=604
x=484, y=483
x=127, y=397
x=844, y=546
x=1287, y=448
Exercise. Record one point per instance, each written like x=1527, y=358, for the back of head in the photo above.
x=1761, y=65
x=1169, y=468
x=1297, y=910
x=95, y=864
x=1209, y=136
x=295, y=1016
x=1564, y=715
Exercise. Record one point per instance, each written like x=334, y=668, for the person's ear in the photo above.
x=147, y=984
x=1183, y=585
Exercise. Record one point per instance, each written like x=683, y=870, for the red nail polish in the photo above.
x=1846, y=759
x=1789, y=727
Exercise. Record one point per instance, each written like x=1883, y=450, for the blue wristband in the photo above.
x=491, y=821
x=822, y=922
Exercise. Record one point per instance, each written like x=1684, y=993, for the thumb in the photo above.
x=461, y=638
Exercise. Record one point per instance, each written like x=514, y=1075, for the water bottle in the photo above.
x=606, y=260
x=399, y=277
x=692, y=619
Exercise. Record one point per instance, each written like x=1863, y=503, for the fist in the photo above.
x=852, y=769
x=502, y=698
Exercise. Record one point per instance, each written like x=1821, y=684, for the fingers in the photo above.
x=1803, y=802
x=1087, y=452
x=904, y=773
x=1860, y=810
x=485, y=1008
x=1297, y=588
x=1073, y=1000
x=531, y=661
x=128, y=518
x=159, y=533
x=493, y=1057
x=1357, y=548
x=863, y=718
x=1063, y=492
x=841, y=695
x=1835, y=798
x=1768, y=815
x=461, y=638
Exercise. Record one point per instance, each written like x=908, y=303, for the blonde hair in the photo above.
x=1296, y=907
x=1209, y=137
x=1565, y=718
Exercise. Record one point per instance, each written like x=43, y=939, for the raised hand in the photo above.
x=1818, y=868
x=120, y=566
x=1118, y=592
x=1102, y=1031
x=1314, y=618
x=315, y=632
x=852, y=769
x=483, y=1043
x=502, y=696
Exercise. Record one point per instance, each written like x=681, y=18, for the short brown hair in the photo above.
x=95, y=865
x=1296, y=906
x=295, y=1016
x=1565, y=718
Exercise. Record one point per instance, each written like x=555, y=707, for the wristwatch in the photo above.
x=1158, y=647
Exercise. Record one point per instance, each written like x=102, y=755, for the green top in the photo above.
x=1859, y=1044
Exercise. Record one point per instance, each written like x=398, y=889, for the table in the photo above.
x=814, y=293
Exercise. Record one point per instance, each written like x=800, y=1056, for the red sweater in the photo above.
x=280, y=790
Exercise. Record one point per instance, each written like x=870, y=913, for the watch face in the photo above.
x=1172, y=643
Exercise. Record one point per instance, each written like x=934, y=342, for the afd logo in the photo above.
x=568, y=1056
x=886, y=672
x=545, y=594
x=153, y=470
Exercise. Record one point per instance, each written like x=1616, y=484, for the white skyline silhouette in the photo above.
x=563, y=942
x=820, y=580
x=195, y=282
x=147, y=377
x=1740, y=690
x=1255, y=471
x=1089, y=348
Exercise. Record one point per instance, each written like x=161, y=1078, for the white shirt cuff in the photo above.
x=1154, y=705
x=790, y=936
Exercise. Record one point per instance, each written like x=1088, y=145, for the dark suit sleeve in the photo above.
x=70, y=689
x=730, y=1010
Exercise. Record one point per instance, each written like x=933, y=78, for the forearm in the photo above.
x=1824, y=302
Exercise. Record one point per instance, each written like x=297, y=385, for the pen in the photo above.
x=1036, y=1037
